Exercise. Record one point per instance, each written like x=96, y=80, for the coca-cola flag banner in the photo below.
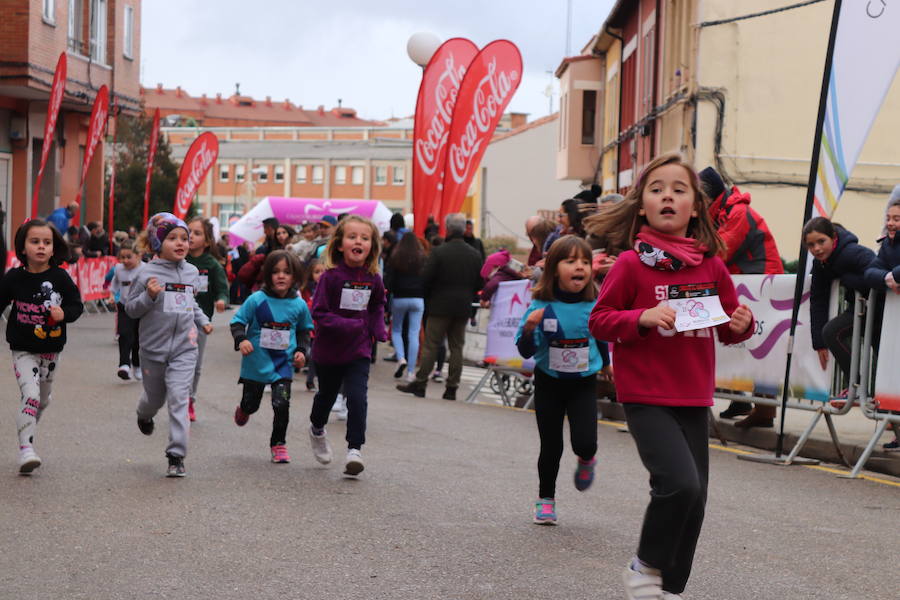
x=154, y=138
x=56, y=95
x=112, y=185
x=95, y=130
x=489, y=84
x=434, y=115
x=198, y=161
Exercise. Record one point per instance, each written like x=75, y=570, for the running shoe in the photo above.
x=240, y=417
x=280, y=455
x=124, y=372
x=642, y=586
x=176, y=466
x=891, y=446
x=136, y=372
x=353, y=466
x=28, y=460
x=584, y=474
x=320, y=446
x=146, y=427
x=191, y=414
x=401, y=366
x=545, y=511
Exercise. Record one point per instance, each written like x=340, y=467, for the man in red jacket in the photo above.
x=750, y=248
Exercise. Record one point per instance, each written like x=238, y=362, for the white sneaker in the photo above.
x=354, y=465
x=671, y=596
x=338, y=402
x=124, y=372
x=642, y=586
x=136, y=373
x=28, y=460
x=320, y=447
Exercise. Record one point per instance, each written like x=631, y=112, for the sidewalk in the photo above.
x=853, y=431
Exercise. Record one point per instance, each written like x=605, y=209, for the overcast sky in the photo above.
x=315, y=52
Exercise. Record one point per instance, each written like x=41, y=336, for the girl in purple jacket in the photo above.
x=348, y=309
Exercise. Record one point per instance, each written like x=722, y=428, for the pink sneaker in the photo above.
x=280, y=455
x=191, y=414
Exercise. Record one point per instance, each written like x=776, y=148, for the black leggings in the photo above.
x=838, y=335
x=673, y=445
x=127, y=328
x=281, y=405
x=555, y=398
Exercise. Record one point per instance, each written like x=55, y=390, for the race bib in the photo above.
x=204, y=281
x=696, y=306
x=551, y=325
x=275, y=336
x=355, y=295
x=570, y=356
x=178, y=298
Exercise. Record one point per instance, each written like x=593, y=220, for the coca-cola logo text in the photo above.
x=491, y=95
x=196, y=171
x=429, y=146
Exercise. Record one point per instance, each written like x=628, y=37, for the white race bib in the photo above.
x=275, y=336
x=696, y=306
x=355, y=295
x=204, y=281
x=551, y=325
x=178, y=298
x=570, y=356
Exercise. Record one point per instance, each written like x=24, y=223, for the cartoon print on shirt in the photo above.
x=657, y=258
x=46, y=298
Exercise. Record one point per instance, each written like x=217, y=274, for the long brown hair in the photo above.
x=620, y=223
x=211, y=246
x=560, y=250
x=333, y=253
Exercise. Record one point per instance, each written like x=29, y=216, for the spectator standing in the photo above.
x=403, y=279
x=97, y=243
x=60, y=217
x=452, y=276
x=537, y=229
x=470, y=239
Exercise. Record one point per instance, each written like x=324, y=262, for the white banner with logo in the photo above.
x=757, y=365
x=865, y=61
x=507, y=307
x=887, y=380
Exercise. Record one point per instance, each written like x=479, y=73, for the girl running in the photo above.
x=44, y=298
x=660, y=304
x=203, y=253
x=348, y=309
x=315, y=270
x=162, y=297
x=126, y=327
x=271, y=332
x=554, y=330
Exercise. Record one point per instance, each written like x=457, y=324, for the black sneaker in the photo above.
x=449, y=393
x=146, y=427
x=310, y=386
x=413, y=387
x=176, y=466
x=400, y=368
x=736, y=409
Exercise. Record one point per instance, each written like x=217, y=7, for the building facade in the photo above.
x=102, y=42
x=728, y=83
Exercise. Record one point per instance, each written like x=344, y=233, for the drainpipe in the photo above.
x=619, y=127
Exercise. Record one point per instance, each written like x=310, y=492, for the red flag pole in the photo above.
x=56, y=96
x=112, y=177
x=154, y=139
x=98, y=123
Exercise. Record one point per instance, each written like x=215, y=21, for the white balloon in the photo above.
x=422, y=46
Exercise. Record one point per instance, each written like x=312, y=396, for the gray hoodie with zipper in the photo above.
x=167, y=326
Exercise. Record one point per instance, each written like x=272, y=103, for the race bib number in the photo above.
x=696, y=306
x=275, y=336
x=355, y=295
x=178, y=298
x=204, y=281
x=551, y=325
x=570, y=356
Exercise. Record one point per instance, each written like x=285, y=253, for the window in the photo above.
x=224, y=171
x=49, y=12
x=98, y=30
x=279, y=173
x=340, y=175
x=301, y=174
x=588, y=116
x=262, y=173
x=76, y=21
x=380, y=175
x=128, y=37
x=239, y=171
x=318, y=174
x=356, y=176
x=399, y=177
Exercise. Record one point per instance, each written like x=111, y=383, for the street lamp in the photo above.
x=421, y=47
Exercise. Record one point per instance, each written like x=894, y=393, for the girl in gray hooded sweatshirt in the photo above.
x=162, y=297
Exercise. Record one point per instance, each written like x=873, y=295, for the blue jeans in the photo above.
x=400, y=308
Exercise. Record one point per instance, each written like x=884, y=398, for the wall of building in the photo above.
x=520, y=179
x=770, y=72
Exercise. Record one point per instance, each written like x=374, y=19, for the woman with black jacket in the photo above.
x=403, y=279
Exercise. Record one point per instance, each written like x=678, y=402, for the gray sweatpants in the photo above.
x=201, y=348
x=170, y=383
x=34, y=374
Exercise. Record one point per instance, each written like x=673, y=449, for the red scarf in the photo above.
x=667, y=252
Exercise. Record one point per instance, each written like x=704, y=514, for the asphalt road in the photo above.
x=443, y=509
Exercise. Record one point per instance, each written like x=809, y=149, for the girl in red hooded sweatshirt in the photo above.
x=660, y=305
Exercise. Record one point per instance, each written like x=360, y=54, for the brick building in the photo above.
x=102, y=41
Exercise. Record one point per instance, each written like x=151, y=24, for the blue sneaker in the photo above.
x=584, y=474
x=545, y=511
